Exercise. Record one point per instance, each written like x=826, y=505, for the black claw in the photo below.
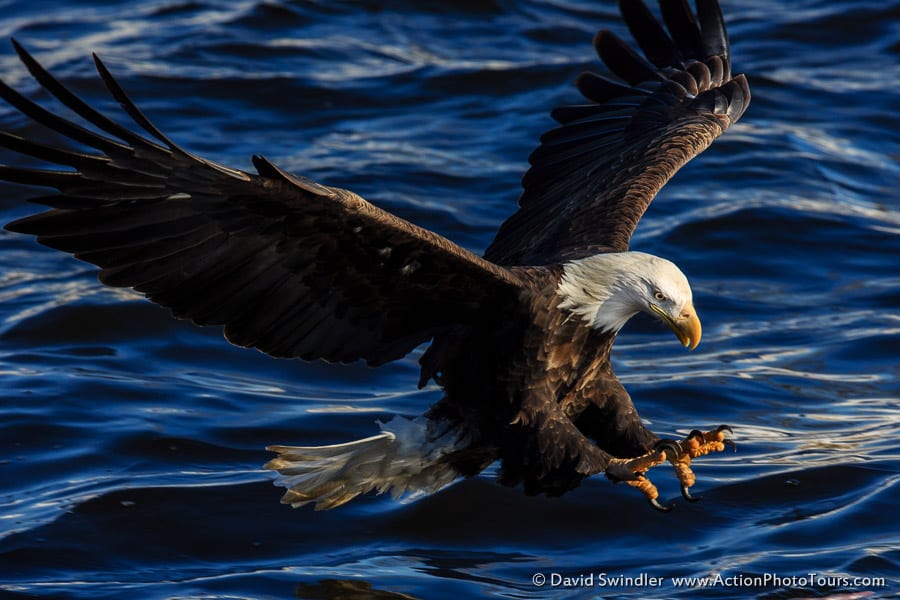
x=686, y=494
x=728, y=441
x=655, y=504
x=671, y=448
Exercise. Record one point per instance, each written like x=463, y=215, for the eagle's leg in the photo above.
x=633, y=470
x=698, y=443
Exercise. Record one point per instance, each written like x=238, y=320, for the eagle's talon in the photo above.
x=670, y=448
x=654, y=502
x=696, y=433
x=686, y=494
x=633, y=472
x=696, y=444
x=727, y=435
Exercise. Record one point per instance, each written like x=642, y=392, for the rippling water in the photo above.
x=130, y=444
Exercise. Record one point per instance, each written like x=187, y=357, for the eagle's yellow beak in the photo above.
x=686, y=325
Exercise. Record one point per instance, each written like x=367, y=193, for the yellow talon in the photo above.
x=698, y=444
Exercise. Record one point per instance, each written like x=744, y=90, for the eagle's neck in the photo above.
x=603, y=290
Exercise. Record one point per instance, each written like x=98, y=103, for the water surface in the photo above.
x=131, y=444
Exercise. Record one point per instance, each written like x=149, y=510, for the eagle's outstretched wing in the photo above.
x=288, y=266
x=593, y=177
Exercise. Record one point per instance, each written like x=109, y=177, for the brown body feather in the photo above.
x=537, y=391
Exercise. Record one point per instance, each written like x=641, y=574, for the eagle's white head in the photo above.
x=608, y=289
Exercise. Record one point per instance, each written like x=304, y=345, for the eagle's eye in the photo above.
x=659, y=296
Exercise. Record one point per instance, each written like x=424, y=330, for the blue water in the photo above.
x=131, y=444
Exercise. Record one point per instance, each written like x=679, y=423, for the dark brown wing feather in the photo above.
x=593, y=177
x=288, y=266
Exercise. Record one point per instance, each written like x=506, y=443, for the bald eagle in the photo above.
x=520, y=337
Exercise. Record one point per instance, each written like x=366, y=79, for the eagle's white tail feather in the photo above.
x=404, y=458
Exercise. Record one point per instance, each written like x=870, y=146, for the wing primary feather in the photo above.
x=103, y=219
x=133, y=111
x=52, y=85
x=600, y=89
x=577, y=112
x=112, y=239
x=543, y=159
x=712, y=32
x=74, y=183
x=60, y=125
x=649, y=34
x=589, y=127
x=622, y=60
x=682, y=25
x=50, y=154
x=91, y=167
x=41, y=177
x=63, y=201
